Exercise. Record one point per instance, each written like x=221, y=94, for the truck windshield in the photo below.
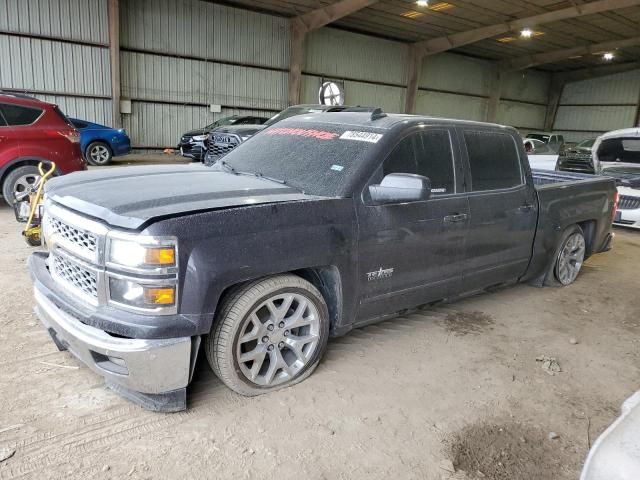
x=319, y=159
x=539, y=136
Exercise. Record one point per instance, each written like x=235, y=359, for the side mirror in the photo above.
x=401, y=188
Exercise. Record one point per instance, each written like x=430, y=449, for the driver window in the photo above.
x=428, y=154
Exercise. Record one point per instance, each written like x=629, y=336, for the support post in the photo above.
x=494, y=98
x=298, y=33
x=555, y=94
x=414, y=66
x=114, y=59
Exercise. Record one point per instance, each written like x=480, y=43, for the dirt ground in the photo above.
x=408, y=398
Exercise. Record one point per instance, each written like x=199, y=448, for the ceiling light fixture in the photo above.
x=423, y=3
x=608, y=56
x=526, y=33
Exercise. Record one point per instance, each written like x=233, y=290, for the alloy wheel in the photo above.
x=278, y=339
x=570, y=259
x=24, y=185
x=99, y=154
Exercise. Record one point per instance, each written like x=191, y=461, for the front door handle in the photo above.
x=525, y=208
x=459, y=217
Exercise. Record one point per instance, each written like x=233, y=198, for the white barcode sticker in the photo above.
x=361, y=136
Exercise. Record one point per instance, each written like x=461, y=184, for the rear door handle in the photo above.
x=460, y=217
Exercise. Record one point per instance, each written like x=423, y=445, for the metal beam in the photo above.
x=114, y=60
x=528, y=61
x=599, y=71
x=313, y=20
x=321, y=17
x=414, y=66
x=441, y=44
x=494, y=98
x=555, y=94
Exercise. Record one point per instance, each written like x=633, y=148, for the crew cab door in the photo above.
x=411, y=253
x=503, y=208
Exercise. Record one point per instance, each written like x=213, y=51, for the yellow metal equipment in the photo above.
x=33, y=230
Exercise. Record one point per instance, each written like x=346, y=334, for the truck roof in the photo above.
x=386, y=122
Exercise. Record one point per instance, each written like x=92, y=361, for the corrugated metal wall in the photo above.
x=178, y=57
x=56, y=50
x=450, y=85
x=591, y=107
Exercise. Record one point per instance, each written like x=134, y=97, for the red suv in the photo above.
x=32, y=131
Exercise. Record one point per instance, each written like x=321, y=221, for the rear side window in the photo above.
x=61, y=114
x=493, y=159
x=428, y=154
x=17, y=115
x=79, y=124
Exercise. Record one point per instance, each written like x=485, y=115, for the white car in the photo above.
x=541, y=156
x=616, y=453
x=617, y=154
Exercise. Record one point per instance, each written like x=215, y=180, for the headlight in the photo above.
x=138, y=294
x=245, y=138
x=132, y=254
x=141, y=253
x=200, y=138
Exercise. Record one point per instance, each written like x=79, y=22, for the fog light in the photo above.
x=137, y=295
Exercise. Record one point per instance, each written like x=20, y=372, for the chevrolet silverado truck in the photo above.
x=320, y=224
x=225, y=139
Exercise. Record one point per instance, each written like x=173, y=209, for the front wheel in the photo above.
x=270, y=334
x=571, y=256
x=99, y=154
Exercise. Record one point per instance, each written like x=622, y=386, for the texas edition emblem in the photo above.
x=380, y=274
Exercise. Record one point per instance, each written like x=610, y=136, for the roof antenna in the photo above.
x=377, y=114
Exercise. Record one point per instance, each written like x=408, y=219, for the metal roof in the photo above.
x=405, y=21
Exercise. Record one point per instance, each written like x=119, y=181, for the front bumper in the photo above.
x=153, y=372
x=628, y=218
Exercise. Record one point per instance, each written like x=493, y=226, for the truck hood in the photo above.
x=129, y=197
x=241, y=130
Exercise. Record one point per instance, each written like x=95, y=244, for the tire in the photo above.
x=98, y=154
x=18, y=181
x=569, y=257
x=243, y=329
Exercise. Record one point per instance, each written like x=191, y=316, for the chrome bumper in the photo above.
x=140, y=369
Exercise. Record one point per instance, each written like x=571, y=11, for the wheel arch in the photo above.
x=21, y=162
x=589, y=229
x=326, y=279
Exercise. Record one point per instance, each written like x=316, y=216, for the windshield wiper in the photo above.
x=277, y=180
x=230, y=169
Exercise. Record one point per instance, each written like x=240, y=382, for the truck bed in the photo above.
x=567, y=199
x=546, y=177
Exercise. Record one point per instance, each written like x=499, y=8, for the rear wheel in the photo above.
x=19, y=183
x=570, y=257
x=270, y=334
x=99, y=153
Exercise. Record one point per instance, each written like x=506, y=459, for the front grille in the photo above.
x=79, y=238
x=220, y=145
x=628, y=203
x=77, y=278
x=576, y=162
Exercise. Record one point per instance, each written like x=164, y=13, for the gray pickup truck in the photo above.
x=315, y=226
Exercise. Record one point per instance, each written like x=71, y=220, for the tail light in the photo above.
x=614, y=210
x=72, y=135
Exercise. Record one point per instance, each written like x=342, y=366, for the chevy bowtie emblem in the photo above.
x=380, y=274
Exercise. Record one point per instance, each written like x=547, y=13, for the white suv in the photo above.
x=617, y=154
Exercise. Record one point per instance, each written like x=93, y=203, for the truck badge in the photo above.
x=380, y=274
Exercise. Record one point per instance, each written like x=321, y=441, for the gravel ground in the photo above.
x=420, y=396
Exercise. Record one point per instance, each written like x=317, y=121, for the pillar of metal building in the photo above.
x=114, y=60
